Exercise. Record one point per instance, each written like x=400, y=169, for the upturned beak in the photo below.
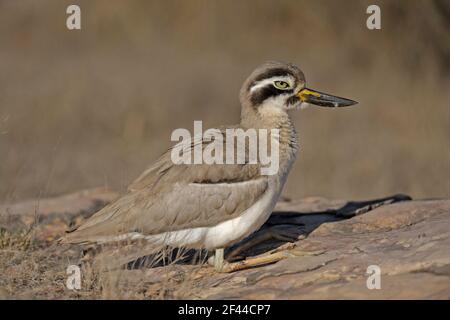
x=323, y=99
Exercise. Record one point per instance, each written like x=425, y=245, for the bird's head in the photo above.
x=277, y=86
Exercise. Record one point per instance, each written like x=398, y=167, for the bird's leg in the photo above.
x=218, y=260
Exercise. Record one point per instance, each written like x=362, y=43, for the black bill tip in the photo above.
x=323, y=99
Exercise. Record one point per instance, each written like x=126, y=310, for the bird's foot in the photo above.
x=257, y=261
x=263, y=259
x=279, y=232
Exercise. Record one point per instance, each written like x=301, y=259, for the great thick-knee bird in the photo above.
x=213, y=206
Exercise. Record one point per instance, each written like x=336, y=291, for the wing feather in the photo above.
x=169, y=197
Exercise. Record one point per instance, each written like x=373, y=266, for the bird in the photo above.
x=212, y=206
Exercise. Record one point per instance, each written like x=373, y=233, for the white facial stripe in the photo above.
x=265, y=82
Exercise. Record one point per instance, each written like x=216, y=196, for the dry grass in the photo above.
x=37, y=271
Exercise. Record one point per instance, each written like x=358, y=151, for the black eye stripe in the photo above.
x=259, y=96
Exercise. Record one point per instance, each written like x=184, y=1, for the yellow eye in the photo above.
x=282, y=85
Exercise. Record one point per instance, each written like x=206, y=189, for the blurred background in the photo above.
x=81, y=109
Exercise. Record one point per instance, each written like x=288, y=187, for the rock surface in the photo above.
x=337, y=241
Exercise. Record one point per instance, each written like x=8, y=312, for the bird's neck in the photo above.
x=272, y=118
